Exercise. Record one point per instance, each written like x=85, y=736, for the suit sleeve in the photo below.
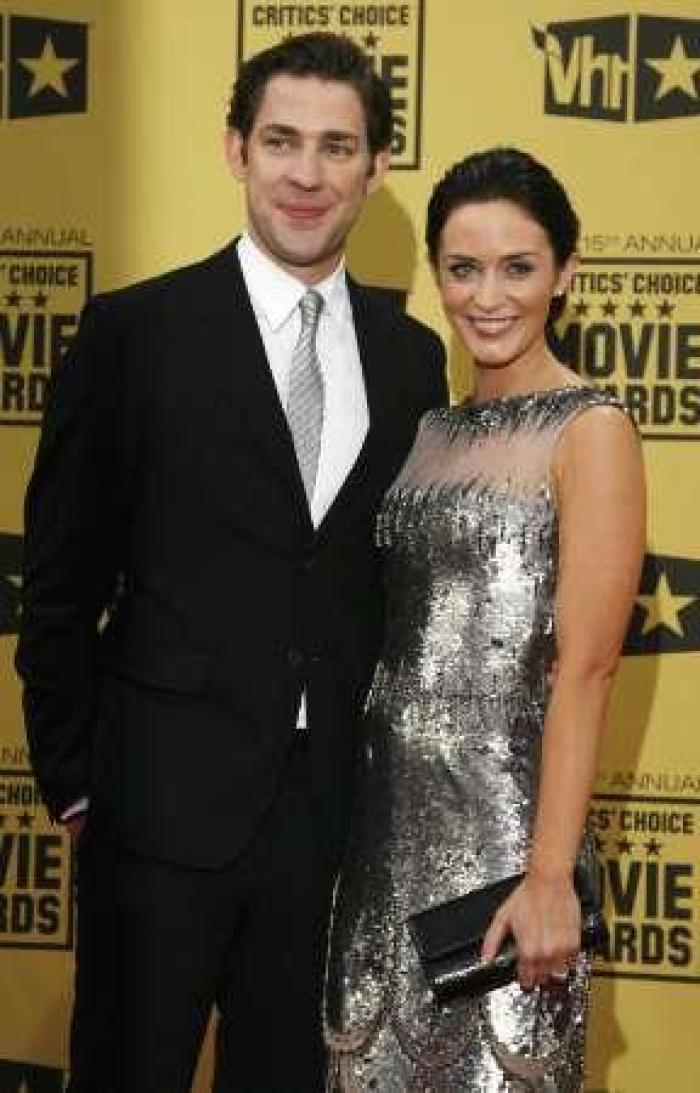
x=74, y=520
x=440, y=388
x=437, y=391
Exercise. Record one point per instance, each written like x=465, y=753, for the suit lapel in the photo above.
x=373, y=344
x=243, y=373
x=243, y=377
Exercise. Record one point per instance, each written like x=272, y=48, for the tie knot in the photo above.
x=310, y=306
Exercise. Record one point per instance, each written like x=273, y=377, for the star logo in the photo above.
x=581, y=308
x=668, y=64
x=666, y=614
x=636, y=309
x=48, y=70
x=653, y=847
x=13, y=299
x=677, y=71
x=371, y=41
x=609, y=308
x=624, y=846
x=663, y=608
x=665, y=309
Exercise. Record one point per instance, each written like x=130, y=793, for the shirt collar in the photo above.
x=276, y=293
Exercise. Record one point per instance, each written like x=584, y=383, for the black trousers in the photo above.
x=159, y=945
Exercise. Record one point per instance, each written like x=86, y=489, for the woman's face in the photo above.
x=497, y=274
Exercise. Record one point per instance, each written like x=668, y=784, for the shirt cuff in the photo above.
x=75, y=809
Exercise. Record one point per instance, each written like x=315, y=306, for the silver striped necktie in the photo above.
x=305, y=400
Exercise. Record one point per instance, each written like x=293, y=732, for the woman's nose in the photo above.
x=488, y=293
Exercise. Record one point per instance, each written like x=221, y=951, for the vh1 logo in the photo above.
x=621, y=68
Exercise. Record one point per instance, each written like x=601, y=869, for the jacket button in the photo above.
x=295, y=657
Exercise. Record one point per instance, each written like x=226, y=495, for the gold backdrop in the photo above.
x=111, y=121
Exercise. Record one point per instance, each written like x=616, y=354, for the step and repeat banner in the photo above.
x=111, y=120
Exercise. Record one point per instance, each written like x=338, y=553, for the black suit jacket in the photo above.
x=176, y=595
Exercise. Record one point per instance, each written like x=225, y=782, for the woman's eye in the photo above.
x=519, y=269
x=461, y=270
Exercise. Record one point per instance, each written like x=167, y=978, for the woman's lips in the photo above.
x=493, y=326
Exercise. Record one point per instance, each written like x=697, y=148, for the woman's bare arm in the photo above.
x=599, y=482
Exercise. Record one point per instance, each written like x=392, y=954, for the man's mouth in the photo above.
x=303, y=214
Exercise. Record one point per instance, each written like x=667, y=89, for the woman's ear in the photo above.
x=566, y=275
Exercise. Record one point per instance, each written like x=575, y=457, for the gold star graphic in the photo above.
x=48, y=70
x=663, y=608
x=677, y=71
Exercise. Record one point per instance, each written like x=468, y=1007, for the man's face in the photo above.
x=306, y=168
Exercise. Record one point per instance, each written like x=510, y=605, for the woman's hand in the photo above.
x=543, y=915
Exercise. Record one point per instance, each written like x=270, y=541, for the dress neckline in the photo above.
x=502, y=400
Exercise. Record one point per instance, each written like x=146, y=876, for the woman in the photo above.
x=513, y=540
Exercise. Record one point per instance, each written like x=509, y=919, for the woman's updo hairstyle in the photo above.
x=506, y=174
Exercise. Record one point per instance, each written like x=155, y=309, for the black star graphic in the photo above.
x=665, y=309
x=371, y=41
x=41, y=299
x=653, y=847
x=580, y=307
x=609, y=308
x=14, y=299
x=625, y=846
x=599, y=844
x=25, y=819
x=636, y=309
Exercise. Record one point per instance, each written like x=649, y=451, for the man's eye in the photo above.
x=277, y=143
x=339, y=150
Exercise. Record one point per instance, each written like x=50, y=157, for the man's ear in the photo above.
x=235, y=151
x=380, y=166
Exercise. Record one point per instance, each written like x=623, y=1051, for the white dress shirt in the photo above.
x=275, y=297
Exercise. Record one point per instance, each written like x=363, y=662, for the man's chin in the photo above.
x=302, y=255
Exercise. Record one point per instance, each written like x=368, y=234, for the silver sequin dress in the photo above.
x=450, y=765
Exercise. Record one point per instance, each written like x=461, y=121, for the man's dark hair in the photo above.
x=507, y=174
x=323, y=55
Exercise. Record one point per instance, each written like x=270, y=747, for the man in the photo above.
x=201, y=602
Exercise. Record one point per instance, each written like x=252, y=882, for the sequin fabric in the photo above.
x=451, y=757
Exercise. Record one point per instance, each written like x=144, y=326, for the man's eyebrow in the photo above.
x=280, y=129
x=340, y=134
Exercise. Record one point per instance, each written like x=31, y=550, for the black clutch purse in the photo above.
x=448, y=937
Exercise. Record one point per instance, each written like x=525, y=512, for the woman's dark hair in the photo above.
x=326, y=56
x=507, y=174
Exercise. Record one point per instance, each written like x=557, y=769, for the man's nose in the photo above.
x=306, y=169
